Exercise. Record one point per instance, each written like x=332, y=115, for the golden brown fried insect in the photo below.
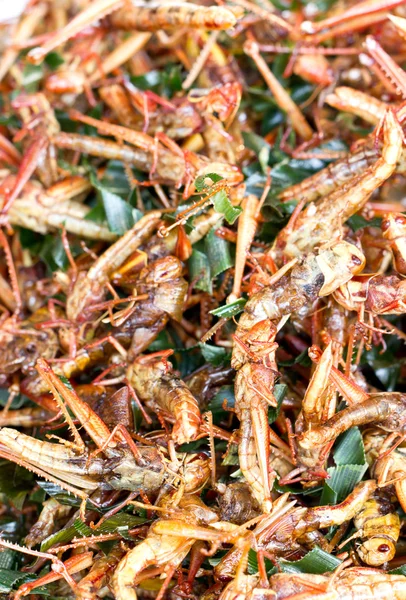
x=176, y=119
x=392, y=469
x=59, y=569
x=236, y=505
x=321, y=222
x=379, y=529
x=254, y=351
x=52, y=512
x=288, y=528
x=22, y=343
x=90, y=287
x=99, y=575
x=394, y=230
x=156, y=384
x=48, y=210
x=366, y=583
x=166, y=544
x=356, y=102
x=72, y=465
x=161, y=290
x=316, y=275
x=375, y=294
x=385, y=410
x=150, y=17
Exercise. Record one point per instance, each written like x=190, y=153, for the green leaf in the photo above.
x=357, y=222
x=349, y=448
x=342, y=481
x=119, y=523
x=166, y=81
x=225, y=393
x=118, y=213
x=66, y=382
x=253, y=564
x=229, y=310
x=215, y=560
x=302, y=359
x=222, y=204
x=63, y=536
x=399, y=571
x=328, y=496
x=54, y=60
x=115, y=179
x=220, y=200
x=8, y=558
x=230, y=458
x=201, y=181
x=215, y=355
x=279, y=393
x=82, y=529
x=171, y=80
x=15, y=483
x=316, y=561
x=218, y=254
x=199, y=271
x=97, y=214
x=10, y=580
x=53, y=253
x=19, y=401
x=257, y=144
x=57, y=492
x=31, y=76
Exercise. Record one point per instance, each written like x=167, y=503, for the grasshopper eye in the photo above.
x=356, y=260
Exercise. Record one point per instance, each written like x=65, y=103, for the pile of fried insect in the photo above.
x=202, y=284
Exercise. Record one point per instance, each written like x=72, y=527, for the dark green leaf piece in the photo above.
x=343, y=479
x=119, y=213
x=215, y=355
x=10, y=580
x=199, y=271
x=349, y=449
x=218, y=254
x=316, y=561
x=229, y=310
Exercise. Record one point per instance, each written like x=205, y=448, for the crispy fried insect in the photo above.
x=320, y=222
x=383, y=409
x=51, y=512
x=162, y=292
x=379, y=529
x=150, y=17
x=288, y=528
x=166, y=544
x=91, y=287
x=59, y=569
x=316, y=275
x=176, y=119
x=236, y=505
x=254, y=352
x=394, y=230
x=22, y=343
x=156, y=384
x=73, y=467
x=392, y=469
x=99, y=575
x=356, y=582
x=375, y=294
x=363, y=105
x=48, y=210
